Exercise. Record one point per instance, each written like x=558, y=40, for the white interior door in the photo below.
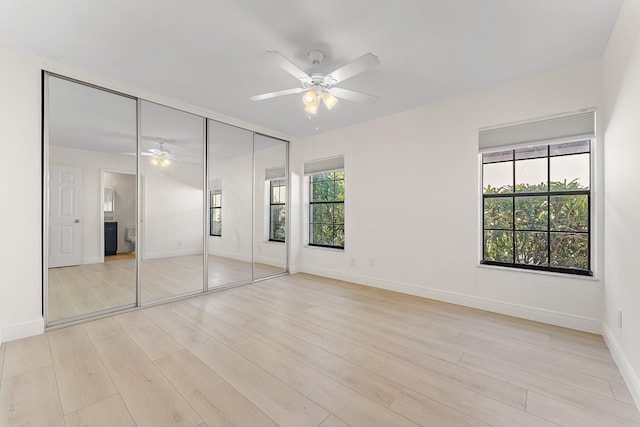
x=65, y=216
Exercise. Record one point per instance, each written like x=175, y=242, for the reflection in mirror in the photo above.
x=90, y=131
x=172, y=168
x=270, y=160
x=230, y=155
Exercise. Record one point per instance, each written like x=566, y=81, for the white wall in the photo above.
x=21, y=260
x=622, y=197
x=412, y=202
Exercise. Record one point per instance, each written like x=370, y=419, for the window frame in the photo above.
x=282, y=184
x=212, y=208
x=334, y=202
x=549, y=193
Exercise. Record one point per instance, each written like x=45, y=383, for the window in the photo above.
x=536, y=207
x=326, y=209
x=215, y=212
x=277, y=210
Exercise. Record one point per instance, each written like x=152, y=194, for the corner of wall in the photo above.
x=629, y=375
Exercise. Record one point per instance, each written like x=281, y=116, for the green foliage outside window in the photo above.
x=277, y=213
x=533, y=226
x=326, y=209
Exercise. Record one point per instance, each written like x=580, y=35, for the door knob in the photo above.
x=77, y=221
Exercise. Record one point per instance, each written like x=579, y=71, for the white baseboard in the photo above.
x=22, y=330
x=91, y=260
x=156, y=255
x=232, y=255
x=630, y=376
x=557, y=318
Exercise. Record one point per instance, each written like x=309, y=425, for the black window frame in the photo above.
x=514, y=194
x=332, y=203
x=212, y=208
x=280, y=183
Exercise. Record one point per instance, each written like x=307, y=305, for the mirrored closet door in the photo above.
x=172, y=202
x=230, y=186
x=91, y=200
x=144, y=203
x=271, y=189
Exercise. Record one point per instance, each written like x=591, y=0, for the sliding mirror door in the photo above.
x=172, y=202
x=270, y=228
x=91, y=147
x=230, y=188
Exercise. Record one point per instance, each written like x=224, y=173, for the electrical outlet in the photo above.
x=620, y=319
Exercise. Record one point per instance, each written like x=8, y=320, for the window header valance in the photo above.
x=324, y=165
x=563, y=128
x=275, y=173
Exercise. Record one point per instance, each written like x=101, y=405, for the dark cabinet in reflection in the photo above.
x=110, y=238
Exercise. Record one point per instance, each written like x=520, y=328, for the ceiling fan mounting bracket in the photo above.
x=316, y=56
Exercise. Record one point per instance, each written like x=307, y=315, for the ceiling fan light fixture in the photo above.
x=310, y=98
x=329, y=100
x=164, y=162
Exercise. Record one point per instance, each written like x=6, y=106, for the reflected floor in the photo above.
x=89, y=288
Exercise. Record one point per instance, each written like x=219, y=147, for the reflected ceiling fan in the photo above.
x=159, y=156
x=321, y=86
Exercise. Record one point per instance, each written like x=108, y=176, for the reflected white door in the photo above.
x=65, y=216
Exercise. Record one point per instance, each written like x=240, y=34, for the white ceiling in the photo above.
x=209, y=53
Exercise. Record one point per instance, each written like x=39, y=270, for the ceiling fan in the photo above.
x=159, y=156
x=321, y=86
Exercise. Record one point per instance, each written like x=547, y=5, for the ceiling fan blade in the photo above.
x=357, y=66
x=352, y=95
x=277, y=93
x=288, y=66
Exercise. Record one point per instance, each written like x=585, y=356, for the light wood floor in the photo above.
x=90, y=288
x=305, y=351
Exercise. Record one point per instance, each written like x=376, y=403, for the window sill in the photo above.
x=273, y=242
x=325, y=248
x=592, y=278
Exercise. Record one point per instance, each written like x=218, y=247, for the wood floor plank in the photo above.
x=151, y=399
x=150, y=337
x=25, y=355
x=170, y=322
x=108, y=412
x=208, y=323
x=217, y=402
x=425, y=411
x=81, y=376
x=591, y=374
x=370, y=384
x=280, y=402
x=31, y=399
x=343, y=402
x=477, y=405
x=565, y=414
x=559, y=390
x=621, y=392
